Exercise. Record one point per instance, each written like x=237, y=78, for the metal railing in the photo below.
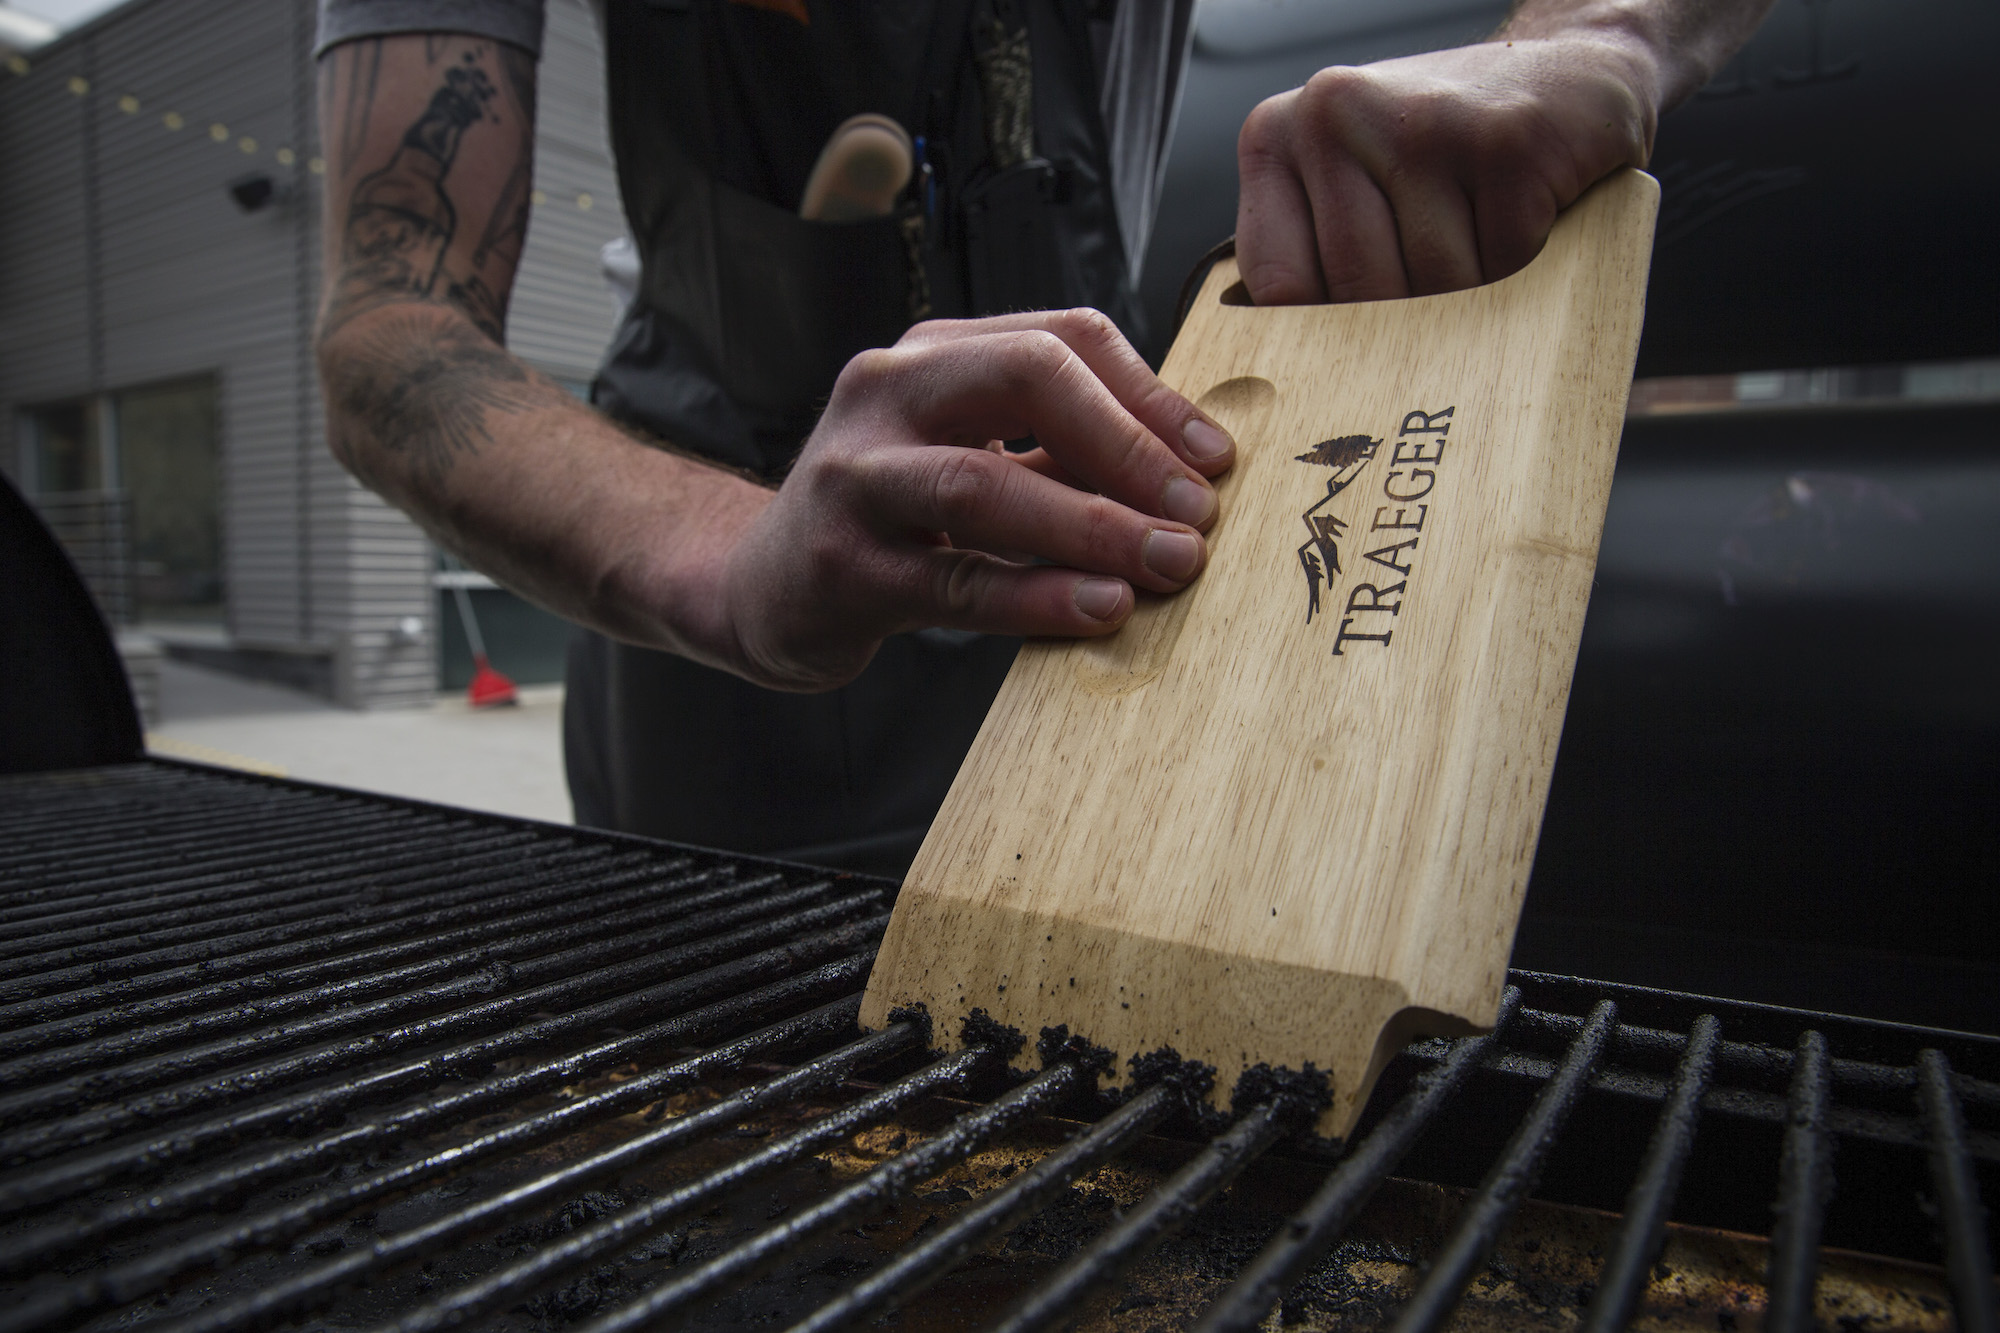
x=95, y=529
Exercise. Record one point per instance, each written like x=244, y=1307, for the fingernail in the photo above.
x=1205, y=441
x=1188, y=502
x=1172, y=555
x=1100, y=599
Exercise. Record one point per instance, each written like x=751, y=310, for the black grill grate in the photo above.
x=274, y=1053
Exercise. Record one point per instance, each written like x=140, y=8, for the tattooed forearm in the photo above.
x=419, y=390
x=428, y=213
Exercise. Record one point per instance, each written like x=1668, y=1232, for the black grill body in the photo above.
x=273, y=1054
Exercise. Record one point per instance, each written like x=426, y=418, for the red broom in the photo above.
x=488, y=688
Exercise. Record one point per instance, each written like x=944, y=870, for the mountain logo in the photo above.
x=1319, y=554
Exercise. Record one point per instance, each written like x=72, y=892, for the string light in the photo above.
x=174, y=121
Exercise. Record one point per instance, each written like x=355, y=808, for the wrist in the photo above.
x=670, y=585
x=1659, y=51
x=1631, y=38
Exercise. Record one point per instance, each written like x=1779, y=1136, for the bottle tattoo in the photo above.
x=401, y=222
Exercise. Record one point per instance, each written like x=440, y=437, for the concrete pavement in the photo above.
x=506, y=760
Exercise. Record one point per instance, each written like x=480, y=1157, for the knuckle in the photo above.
x=867, y=371
x=929, y=331
x=958, y=582
x=849, y=475
x=1334, y=89
x=1103, y=533
x=963, y=485
x=1088, y=326
x=1035, y=357
x=1261, y=126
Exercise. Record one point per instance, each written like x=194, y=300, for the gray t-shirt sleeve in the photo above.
x=518, y=22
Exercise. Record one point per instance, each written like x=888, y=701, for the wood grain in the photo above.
x=1255, y=830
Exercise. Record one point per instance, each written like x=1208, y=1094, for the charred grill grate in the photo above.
x=271, y=1053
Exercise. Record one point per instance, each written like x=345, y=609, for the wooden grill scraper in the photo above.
x=1287, y=816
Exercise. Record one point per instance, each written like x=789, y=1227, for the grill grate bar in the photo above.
x=1509, y=1183
x=430, y=1114
x=337, y=1005
x=36, y=846
x=1304, y=1241
x=623, y=1229
x=348, y=1056
x=143, y=1277
x=1959, y=1209
x=1747, y=1064
x=424, y=906
x=285, y=986
x=1805, y=1184
x=919, y=1266
x=1645, y=1229
x=85, y=879
x=206, y=860
x=565, y=974
x=887, y=1183
x=38, y=832
x=300, y=899
x=1160, y=1216
x=1901, y=1128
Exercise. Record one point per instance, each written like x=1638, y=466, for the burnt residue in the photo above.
x=1308, y=1089
x=918, y=1013
x=1166, y=1065
x=580, y=1211
x=982, y=1029
x=1196, y=1117
x=1057, y=1046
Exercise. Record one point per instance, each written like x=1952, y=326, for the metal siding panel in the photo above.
x=44, y=320
x=562, y=316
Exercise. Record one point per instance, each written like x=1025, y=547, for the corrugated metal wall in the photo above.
x=107, y=209
x=562, y=314
x=44, y=307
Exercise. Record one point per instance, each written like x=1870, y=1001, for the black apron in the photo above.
x=746, y=314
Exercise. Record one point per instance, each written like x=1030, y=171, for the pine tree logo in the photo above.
x=1319, y=554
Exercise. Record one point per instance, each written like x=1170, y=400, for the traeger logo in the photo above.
x=1394, y=531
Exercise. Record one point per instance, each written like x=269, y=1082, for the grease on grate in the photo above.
x=1542, y=1275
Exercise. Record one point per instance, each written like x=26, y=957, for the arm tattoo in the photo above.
x=420, y=389
x=414, y=387
x=400, y=221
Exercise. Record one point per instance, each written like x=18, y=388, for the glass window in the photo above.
x=168, y=463
x=68, y=454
